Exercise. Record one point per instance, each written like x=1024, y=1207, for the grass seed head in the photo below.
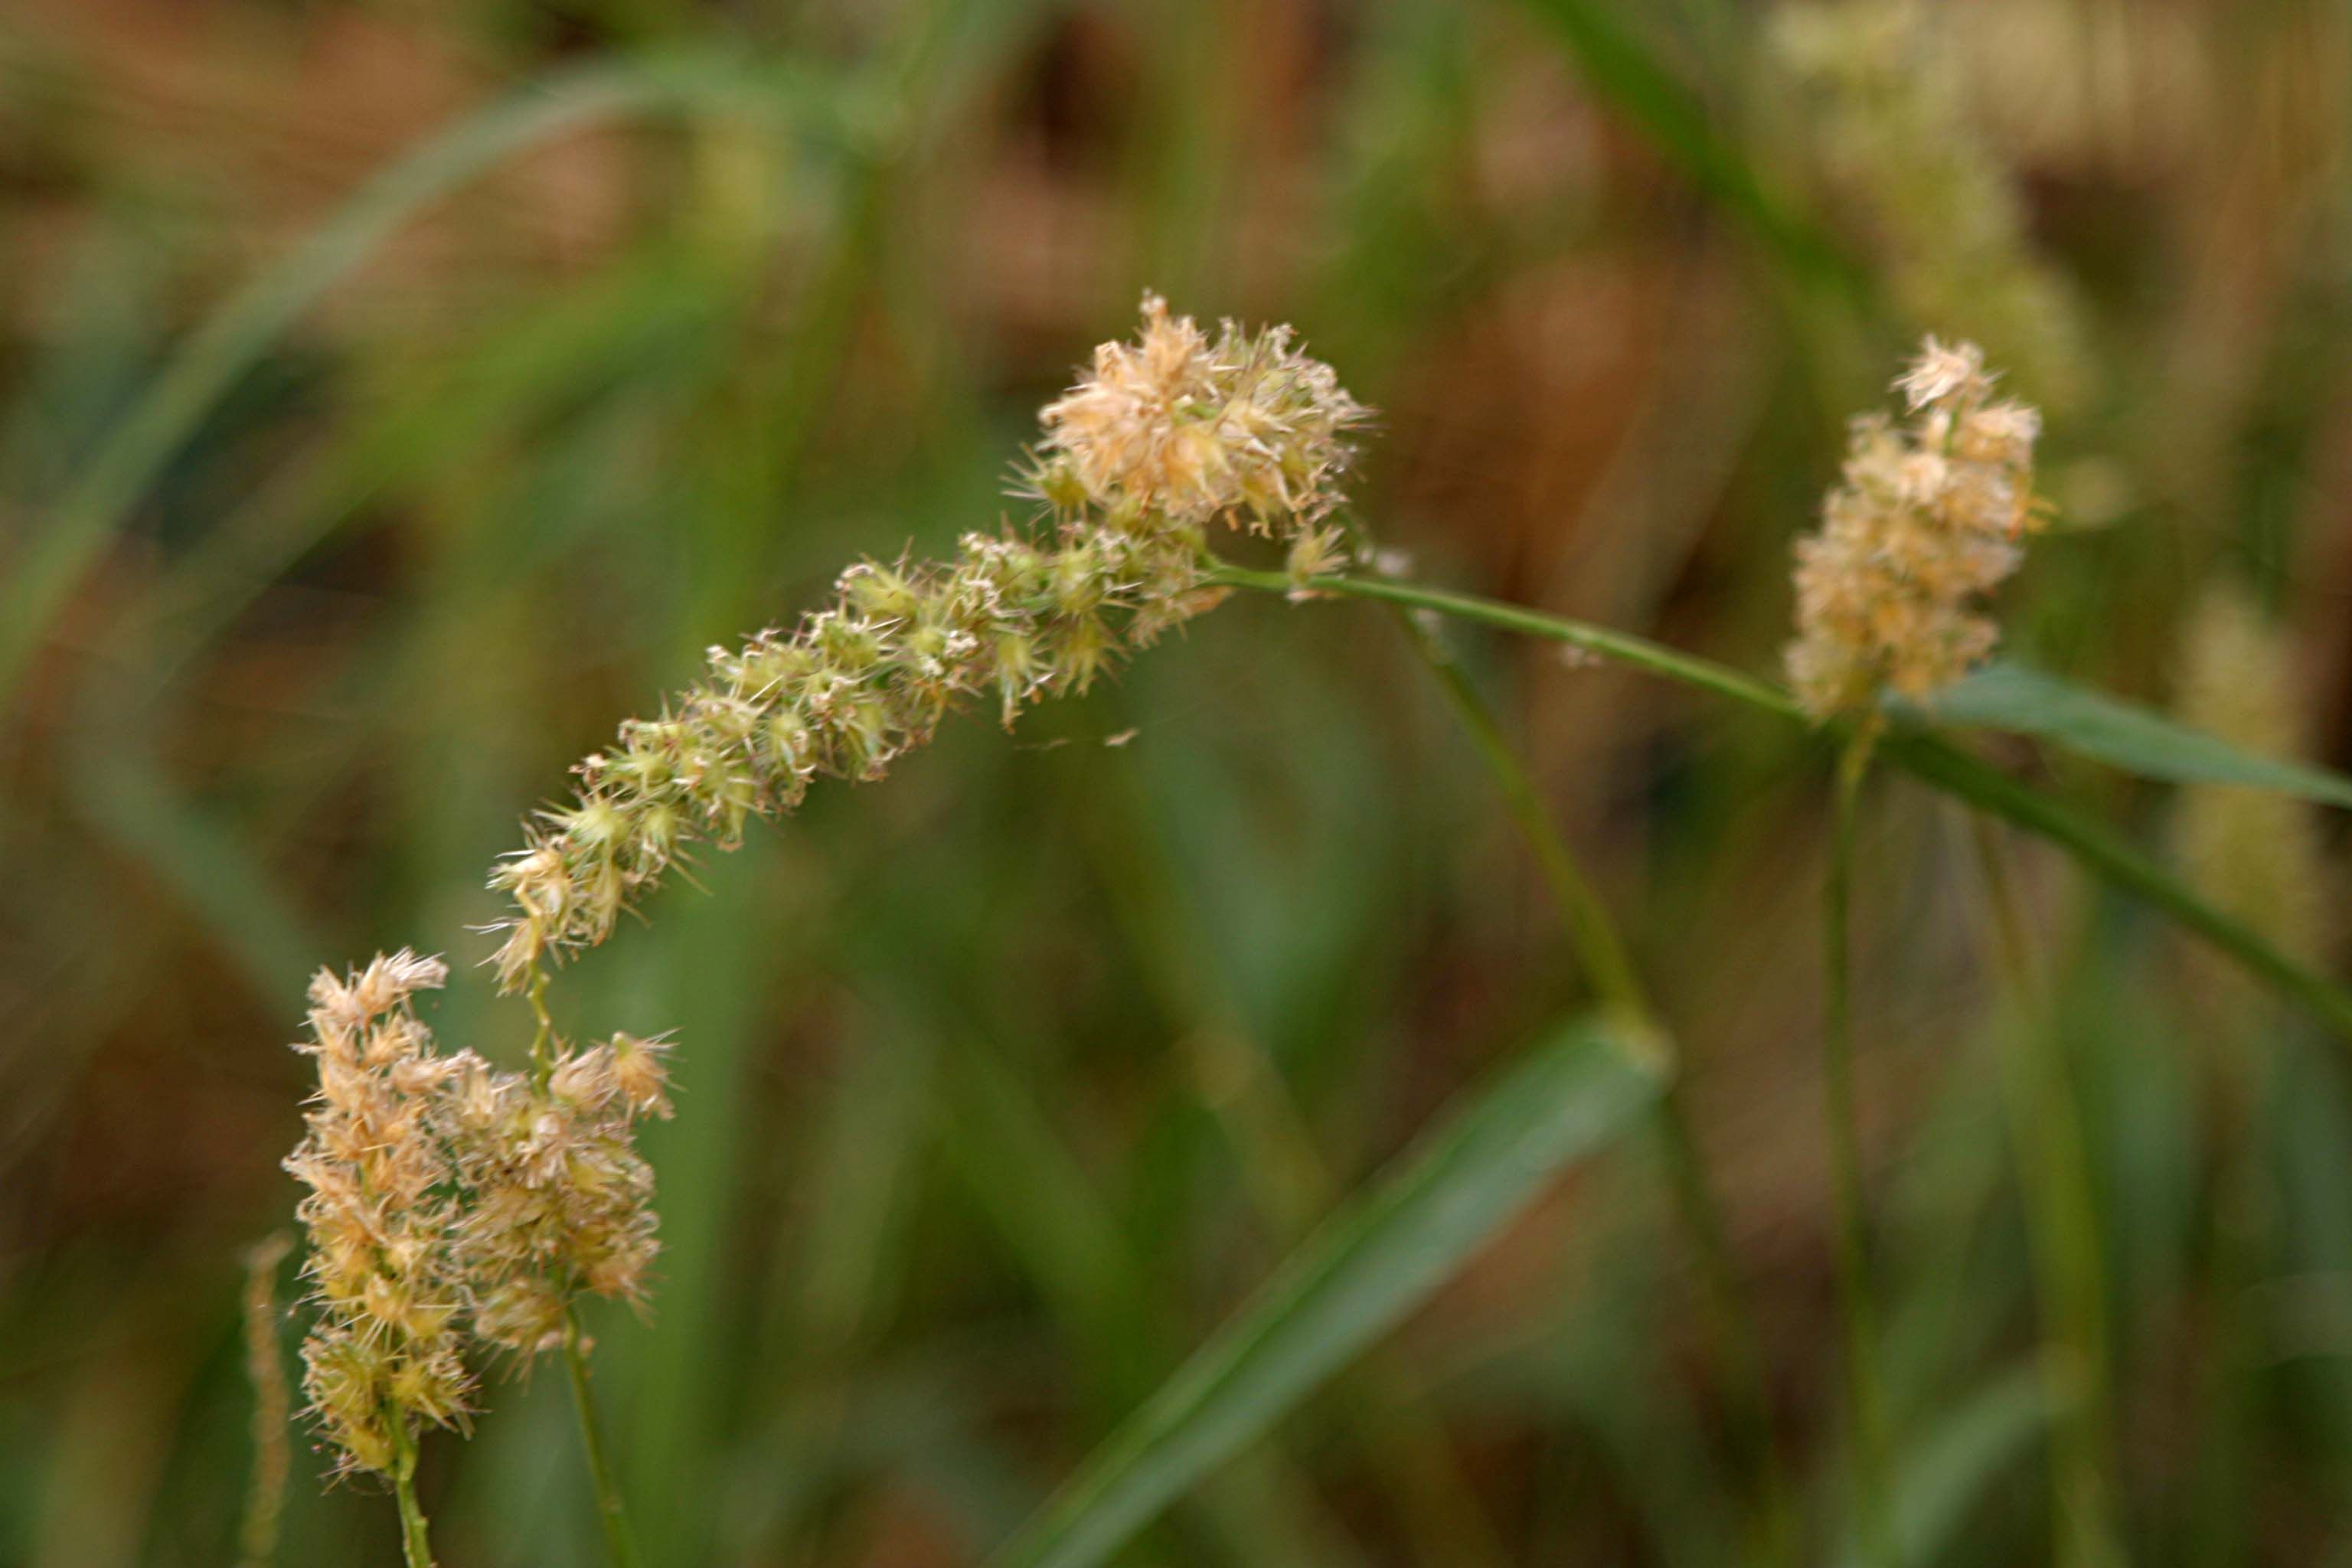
x=1928, y=516
x=1161, y=437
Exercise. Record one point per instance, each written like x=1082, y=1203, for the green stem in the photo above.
x=2054, y=1176
x=1607, y=968
x=1590, y=929
x=1926, y=757
x=618, y=1537
x=415, y=1548
x=544, y=1027
x=1866, y=1405
x=2238, y=1236
x=1637, y=652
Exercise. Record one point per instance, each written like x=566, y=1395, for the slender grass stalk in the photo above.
x=618, y=1540
x=2054, y=1173
x=265, y=1498
x=1926, y=757
x=542, y=1034
x=1600, y=951
x=415, y=1550
x=1590, y=932
x=2238, y=1237
x=1639, y=653
x=1866, y=1399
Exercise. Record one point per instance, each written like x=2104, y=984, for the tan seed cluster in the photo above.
x=382, y=1212
x=450, y=1201
x=1161, y=437
x=1928, y=517
x=560, y=1201
x=453, y=1204
x=1238, y=426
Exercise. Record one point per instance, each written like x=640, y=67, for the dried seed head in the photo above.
x=380, y=1213
x=1161, y=437
x=558, y=1199
x=1928, y=517
x=449, y=1200
x=1931, y=197
x=1244, y=425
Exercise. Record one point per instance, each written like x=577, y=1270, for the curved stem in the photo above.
x=618, y=1540
x=1601, y=952
x=1590, y=932
x=1865, y=1396
x=1637, y=652
x=415, y=1550
x=1926, y=757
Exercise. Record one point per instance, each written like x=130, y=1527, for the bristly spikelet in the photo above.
x=1927, y=519
x=385, y=1357
x=560, y=1202
x=2255, y=853
x=451, y=1200
x=1942, y=213
x=1161, y=437
x=1244, y=426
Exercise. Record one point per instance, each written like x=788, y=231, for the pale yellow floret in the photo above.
x=1927, y=518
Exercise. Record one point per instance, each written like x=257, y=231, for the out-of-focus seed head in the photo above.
x=1929, y=194
x=1927, y=518
x=2256, y=854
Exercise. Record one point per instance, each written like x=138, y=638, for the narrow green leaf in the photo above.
x=237, y=338
x=1948, y=1469
x=1925, y=755
x=1354, y=1279
x=126, y=799
x=2125, y=735
x=1625, y=72
x=1939, y=763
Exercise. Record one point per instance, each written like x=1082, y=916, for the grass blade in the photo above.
x=1662, y=107
x=215, y=874
x=2121, y=734
x=1929, y=758
x=1946, y=766
x=1957, y=1460
x=1367, y=1268
x=54, y=561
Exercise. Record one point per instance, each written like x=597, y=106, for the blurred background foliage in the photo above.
x=392, y=394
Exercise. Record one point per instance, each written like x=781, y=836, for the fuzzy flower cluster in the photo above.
x=450, y=1201
x=1928, y=517
x=1941, y=210
x=558, y=1200
x=382, y=1215
x=1162, y=437
x=1195, y=428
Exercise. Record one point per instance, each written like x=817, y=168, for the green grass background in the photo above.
x=394, y=396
